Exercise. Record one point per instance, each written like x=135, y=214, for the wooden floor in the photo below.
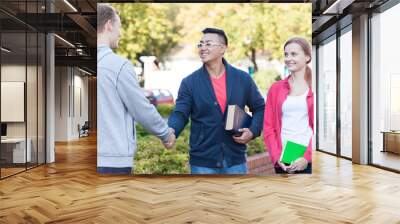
x=70, y=191
x=10, y=171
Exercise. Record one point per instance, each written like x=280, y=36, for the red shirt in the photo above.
x=219, y=85
x=273, y=119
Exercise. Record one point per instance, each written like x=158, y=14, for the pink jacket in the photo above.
x=273, y=119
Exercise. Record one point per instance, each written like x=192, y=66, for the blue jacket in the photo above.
x=210, y=143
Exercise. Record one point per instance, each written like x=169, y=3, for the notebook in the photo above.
x=292, y=151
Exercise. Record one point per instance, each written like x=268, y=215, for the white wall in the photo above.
x=50, y=96
x=80, y=109
x=33, y=125
x=82, y=82
x=14, y=73
x=61, y=103
x=71, y=94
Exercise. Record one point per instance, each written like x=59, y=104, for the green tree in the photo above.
x=147, y=29
x=253, y=29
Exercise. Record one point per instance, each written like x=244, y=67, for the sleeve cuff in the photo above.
x=255, y=132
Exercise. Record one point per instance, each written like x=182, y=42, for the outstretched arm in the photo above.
x=180, y=115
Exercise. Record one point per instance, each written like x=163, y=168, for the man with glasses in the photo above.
x=204, y=97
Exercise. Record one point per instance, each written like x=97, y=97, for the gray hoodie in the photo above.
x=121, y=102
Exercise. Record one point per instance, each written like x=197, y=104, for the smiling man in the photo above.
x=203, y=97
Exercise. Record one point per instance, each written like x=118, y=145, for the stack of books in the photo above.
x=236, y=119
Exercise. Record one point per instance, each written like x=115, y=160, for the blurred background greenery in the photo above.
x=252, y=28
x=256, y=32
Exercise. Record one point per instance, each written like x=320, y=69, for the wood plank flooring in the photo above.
x=10, y=171
x=70, y=191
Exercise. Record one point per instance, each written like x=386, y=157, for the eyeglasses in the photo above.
x=207, y=45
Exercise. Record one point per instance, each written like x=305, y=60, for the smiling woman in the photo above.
x=289, y=117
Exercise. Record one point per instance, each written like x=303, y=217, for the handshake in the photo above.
x=171, y=139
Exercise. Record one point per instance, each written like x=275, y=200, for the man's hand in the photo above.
x=171, y=139
x=299, y=164
x=246, y=136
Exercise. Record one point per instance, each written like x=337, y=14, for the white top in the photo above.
x=295, y=126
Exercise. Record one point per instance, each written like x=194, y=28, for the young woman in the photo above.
x=289, y=113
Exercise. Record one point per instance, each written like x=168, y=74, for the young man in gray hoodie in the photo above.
x=120, y=101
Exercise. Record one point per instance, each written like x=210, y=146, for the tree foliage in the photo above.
x=257, y=28
x=253, y=29
x=147, y=29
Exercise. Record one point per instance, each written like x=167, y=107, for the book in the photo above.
x=292, y=151
x=236, y=119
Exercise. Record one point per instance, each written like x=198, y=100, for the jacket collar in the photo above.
x=102, y=45
x=228, y=67
x=229, y=82
x=102, y=51
x=287, y=87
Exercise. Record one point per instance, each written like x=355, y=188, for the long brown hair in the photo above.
x=303, y=43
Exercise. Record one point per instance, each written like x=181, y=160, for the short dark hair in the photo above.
x=219, y=32
x=105, y=12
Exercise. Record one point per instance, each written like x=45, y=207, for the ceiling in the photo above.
x=330, y=15
x=74, y=22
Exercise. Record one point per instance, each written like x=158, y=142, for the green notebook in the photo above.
x=292, y=151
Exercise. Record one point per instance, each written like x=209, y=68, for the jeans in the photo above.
x=114, y=170
x=235, y=169
x=308, y=170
